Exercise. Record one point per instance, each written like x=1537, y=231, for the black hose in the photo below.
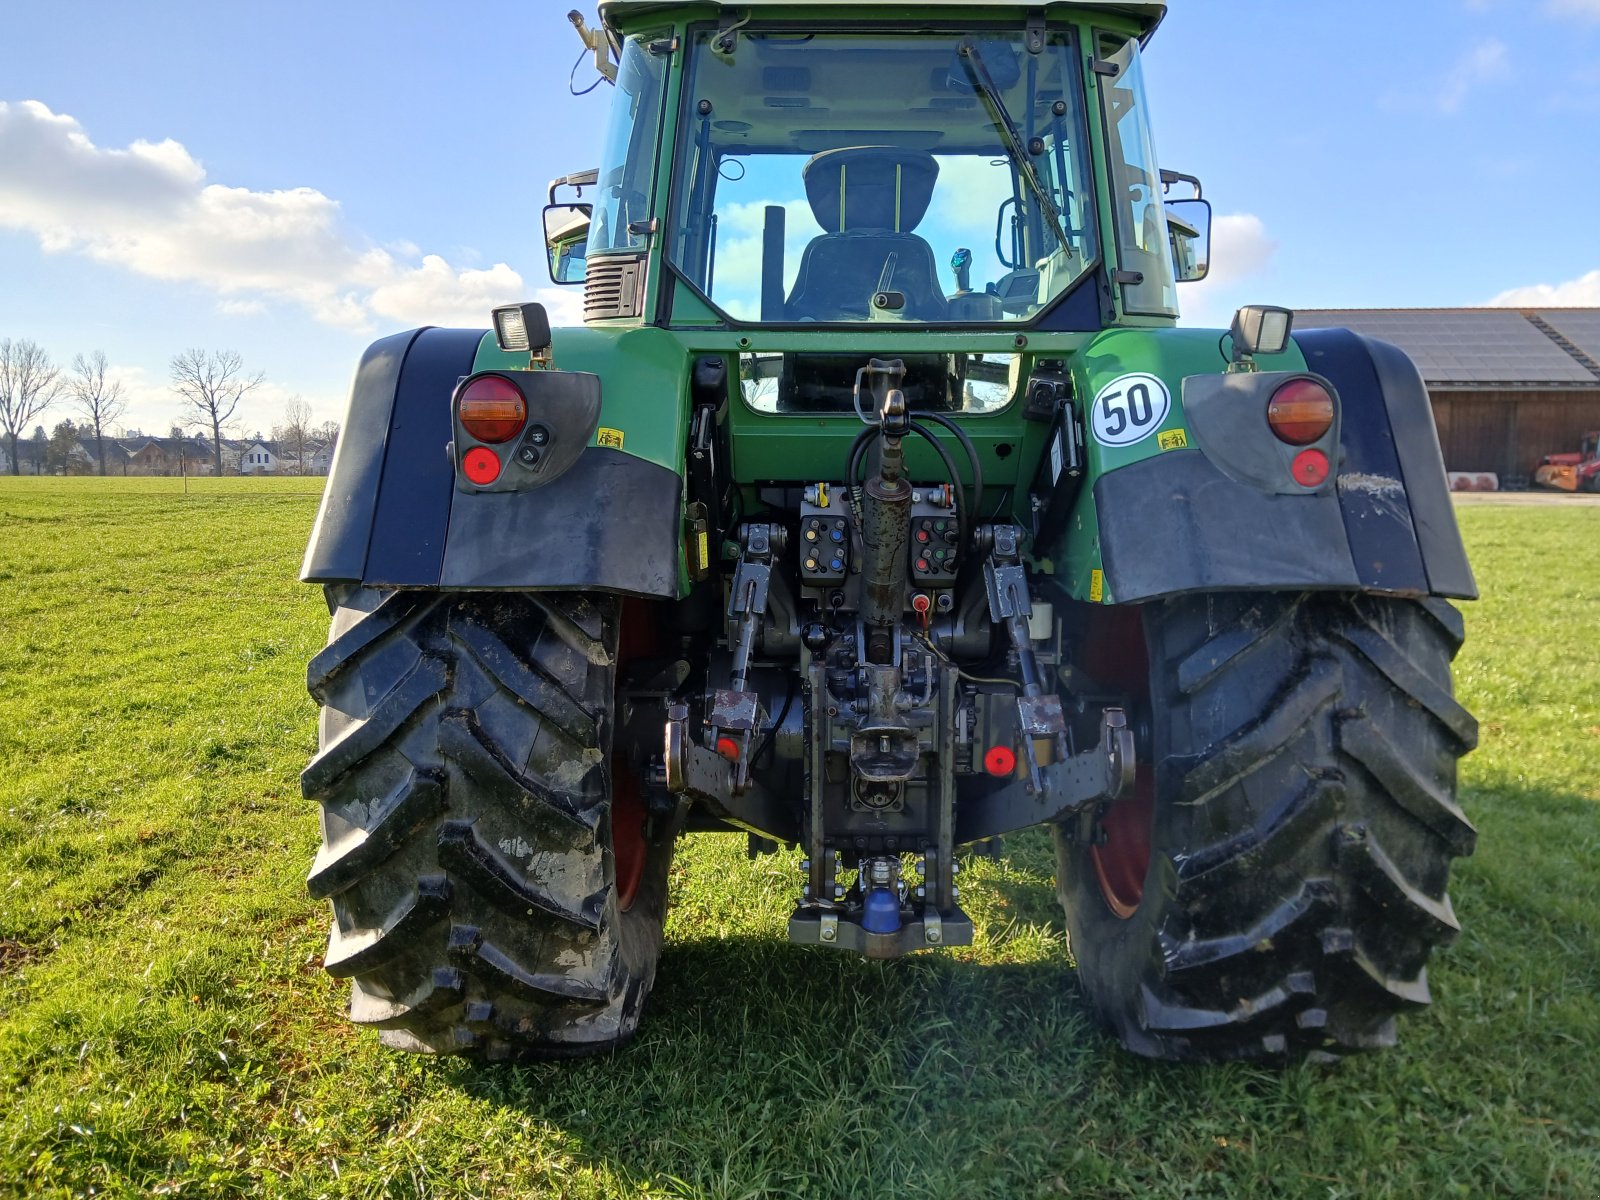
x=963, y=525
x=972, y=456
x=857, y=448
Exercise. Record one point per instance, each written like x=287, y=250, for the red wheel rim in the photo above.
x=629, y=851
x=627, y=831
x=1121, y=862
x=1116, y=657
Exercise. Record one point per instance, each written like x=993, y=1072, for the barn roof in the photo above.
x=1482, y=347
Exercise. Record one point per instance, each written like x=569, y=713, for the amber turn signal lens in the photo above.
x=493, y=410
x=1300, y=412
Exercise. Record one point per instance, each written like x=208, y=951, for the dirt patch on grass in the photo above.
x=15, y=955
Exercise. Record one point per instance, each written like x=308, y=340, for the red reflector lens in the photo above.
x=493, y=410
x=728, y=748
x=1001, y=760
x=1310, y=468
x=480, y=465
x=1300, y=412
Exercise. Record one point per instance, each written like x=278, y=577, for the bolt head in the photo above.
x=955, y=893
x=838, y=891
x=829, y=933
x=806, y=891
x=935, y=936
x=922, y=893
x=805, y=864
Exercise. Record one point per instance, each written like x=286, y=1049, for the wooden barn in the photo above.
x=1508, y=385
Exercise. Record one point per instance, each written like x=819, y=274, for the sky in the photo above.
x=294, y=180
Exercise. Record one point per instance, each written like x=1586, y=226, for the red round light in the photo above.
x=492, y=409
x=1001, y=760
x=1300, y=412
x=480, y=465
x=728, y=748
x=1310, y=468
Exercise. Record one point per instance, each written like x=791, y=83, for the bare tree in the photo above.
x=295, y=435
x=325, y=439
x=29, y=384
x=99, y=402
x=212, y=382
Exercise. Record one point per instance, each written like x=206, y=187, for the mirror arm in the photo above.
x=1168, y=178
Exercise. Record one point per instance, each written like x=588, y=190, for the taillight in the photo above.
x=1300, y=412
x=493, y=410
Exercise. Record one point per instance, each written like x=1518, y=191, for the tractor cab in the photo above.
x=809, y=164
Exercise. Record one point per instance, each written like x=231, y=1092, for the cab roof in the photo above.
x=1147, y=12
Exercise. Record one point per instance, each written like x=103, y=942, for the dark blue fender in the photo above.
x=1179, y=523
x=391, y=515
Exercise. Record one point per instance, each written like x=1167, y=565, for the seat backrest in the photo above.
x=868, y=199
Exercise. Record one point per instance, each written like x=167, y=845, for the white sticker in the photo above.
x=1130, y=409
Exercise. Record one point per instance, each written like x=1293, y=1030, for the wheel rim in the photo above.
x=629, y=850
x=1117, y=657
x=1121, y=862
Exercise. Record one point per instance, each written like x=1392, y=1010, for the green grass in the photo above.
x=165, y=1027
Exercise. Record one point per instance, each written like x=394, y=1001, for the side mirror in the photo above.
x=1189, y=224
x=566, y=237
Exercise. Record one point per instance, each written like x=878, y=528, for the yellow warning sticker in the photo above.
x=608, y=437
x=1097, y=586
x=704, y=548
x=1173, y=439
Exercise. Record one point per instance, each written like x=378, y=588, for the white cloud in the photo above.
x=149, y=209
x=1582, y=292
x=1584, y=10
x=1241, y=250
x=1486, y=62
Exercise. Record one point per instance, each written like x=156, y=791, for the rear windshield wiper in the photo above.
x=983, y=83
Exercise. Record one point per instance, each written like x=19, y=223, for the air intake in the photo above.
x=613, y=287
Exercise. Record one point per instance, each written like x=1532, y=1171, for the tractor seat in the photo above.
x=869, y=199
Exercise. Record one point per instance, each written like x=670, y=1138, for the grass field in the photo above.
x=165, y=1027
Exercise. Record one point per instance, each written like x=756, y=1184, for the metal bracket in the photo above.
x=693, y=772
x=1033, y=32
x=736, y=709
x=1069, y=788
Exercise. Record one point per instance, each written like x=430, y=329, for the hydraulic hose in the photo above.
x=963, y=523
x=972, y=456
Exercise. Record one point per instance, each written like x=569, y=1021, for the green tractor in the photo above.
x=879, y=507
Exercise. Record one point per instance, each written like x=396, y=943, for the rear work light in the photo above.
x=493, y=409
x=1300, y=412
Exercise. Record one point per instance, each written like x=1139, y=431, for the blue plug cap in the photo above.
x=882, y=913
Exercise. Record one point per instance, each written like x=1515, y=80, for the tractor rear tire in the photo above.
x=1276, y=884
x=495, y=889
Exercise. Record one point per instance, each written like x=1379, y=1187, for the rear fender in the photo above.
x=1172, y=520
x=392, y=516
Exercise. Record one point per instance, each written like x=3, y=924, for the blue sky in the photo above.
x=293, y=180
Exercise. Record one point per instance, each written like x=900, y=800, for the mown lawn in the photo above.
x=165, y=1027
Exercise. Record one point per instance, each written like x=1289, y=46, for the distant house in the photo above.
x=256, y=457
x=168, y=456
x=116, y=456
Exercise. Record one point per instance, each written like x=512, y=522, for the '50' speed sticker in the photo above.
x=1130, y=409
